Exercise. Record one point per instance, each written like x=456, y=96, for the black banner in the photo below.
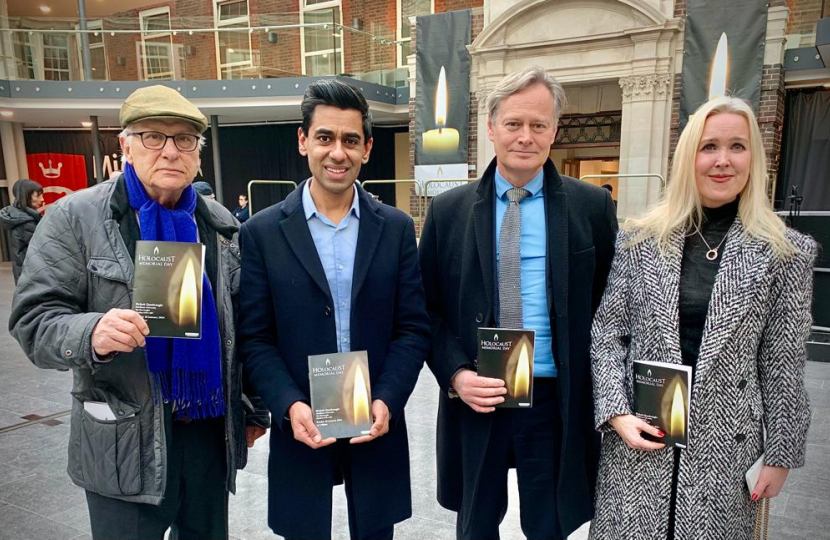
x=723, y=50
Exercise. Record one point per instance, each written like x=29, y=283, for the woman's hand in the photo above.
x=770, y=482
x=629, y=427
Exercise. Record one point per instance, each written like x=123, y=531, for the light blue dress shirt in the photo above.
x=336, y=245
x=533, y=250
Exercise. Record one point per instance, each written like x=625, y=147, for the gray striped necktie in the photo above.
x=510, y=263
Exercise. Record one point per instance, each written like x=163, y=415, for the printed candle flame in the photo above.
x=360, y=399
x=188, y=296
x=720, y=69
x=442, y=140
x=678, y=413
x=521, y=385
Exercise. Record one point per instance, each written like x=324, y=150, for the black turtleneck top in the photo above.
x=697, y=276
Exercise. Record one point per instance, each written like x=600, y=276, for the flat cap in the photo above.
x=160, y=103
x=202, y=188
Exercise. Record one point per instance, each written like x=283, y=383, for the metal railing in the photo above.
x=163, y=47
x=630, y=175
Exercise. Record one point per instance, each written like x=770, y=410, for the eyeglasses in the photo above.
x=155, y=140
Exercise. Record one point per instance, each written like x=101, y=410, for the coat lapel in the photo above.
x=484, y=224
x=295, y=229
x=662, y=275
x=556, y=216
x=743, y=263
x=368, y=236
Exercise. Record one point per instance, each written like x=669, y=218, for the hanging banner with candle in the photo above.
x=442, y=100
x=723, y=52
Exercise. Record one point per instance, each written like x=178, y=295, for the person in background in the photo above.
x=711, y=278
x=204, y=189
x=21, y=219
x=242, y=212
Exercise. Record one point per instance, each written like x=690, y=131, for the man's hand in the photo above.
x=302, y=424
x=252, y=433
x=381, y=416
x=630, y=429
x=119, y=330
x=770, y=482
x=480, y=393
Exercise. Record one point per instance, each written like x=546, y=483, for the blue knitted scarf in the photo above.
x=189, y=371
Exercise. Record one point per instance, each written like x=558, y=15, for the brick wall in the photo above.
x=771, y=116
x=201, y=62
x=442, y=6
x=379, y=18
x=804, y=14
x=280, y=59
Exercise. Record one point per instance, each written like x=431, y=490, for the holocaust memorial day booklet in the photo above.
x=167, y=287
x=507, y=354
x=341, y=395
x=661, y=398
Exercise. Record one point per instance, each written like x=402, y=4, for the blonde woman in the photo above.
x=710, y=277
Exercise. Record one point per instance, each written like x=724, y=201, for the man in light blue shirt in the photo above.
x=335, y=271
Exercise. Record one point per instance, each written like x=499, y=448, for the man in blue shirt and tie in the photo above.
x=523, y=247
x=333, y=271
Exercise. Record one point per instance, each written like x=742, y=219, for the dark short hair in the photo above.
x=609, y=187
x=23, y=191
x=335, y=94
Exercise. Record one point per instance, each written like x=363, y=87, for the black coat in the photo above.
x=287, y=315
x=21, y=223
x=457, y=260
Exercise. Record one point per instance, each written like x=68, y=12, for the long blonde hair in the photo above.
x=680, y=204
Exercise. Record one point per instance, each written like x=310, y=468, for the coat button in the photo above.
x=742, y=384
x=120, y=413
x=479, y=318
x=67, y=353
x=740, y=437
x=229, y=342
x=328, y=311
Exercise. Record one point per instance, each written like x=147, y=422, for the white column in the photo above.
x=20, y=150
x=7, y=68
x=646, y=114
x=7, y=140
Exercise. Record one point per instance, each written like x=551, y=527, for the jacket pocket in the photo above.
x=110, y=450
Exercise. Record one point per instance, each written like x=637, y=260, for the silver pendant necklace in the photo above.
x=712, y=254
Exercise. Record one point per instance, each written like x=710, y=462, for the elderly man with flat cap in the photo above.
x=158, y=425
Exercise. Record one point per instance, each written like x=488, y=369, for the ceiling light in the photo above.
x=86, y=123
x=45, y=9
x=6, y=114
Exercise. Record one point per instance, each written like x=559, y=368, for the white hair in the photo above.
x=516, y=82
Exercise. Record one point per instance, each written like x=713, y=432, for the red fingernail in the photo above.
x=661, y=433
x=754, y=497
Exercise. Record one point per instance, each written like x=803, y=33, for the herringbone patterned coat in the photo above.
x=749, y=374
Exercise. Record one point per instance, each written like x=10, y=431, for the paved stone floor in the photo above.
x=38, y=502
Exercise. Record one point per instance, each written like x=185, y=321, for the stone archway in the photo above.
x=633, y=42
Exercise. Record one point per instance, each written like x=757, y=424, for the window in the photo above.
x=156, y=45
x=233, y=47
x=321, y=37
x=24, y=55
x=55, y=57
x=97, y=52
x=407, y=9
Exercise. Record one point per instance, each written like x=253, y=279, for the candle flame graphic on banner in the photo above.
x=521, y=385
x=720, y=69
x=677, y=427
x=442, y=140
x=188, y=296
x=360, y=399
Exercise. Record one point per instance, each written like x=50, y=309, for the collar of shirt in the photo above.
x=310, y=208
x=534, y=186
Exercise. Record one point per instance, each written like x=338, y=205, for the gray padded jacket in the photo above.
x=79, y=266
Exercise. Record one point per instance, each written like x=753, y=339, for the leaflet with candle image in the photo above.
x=661, y=398
x=341, y=394
x=507, y=354
x=167, y=287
